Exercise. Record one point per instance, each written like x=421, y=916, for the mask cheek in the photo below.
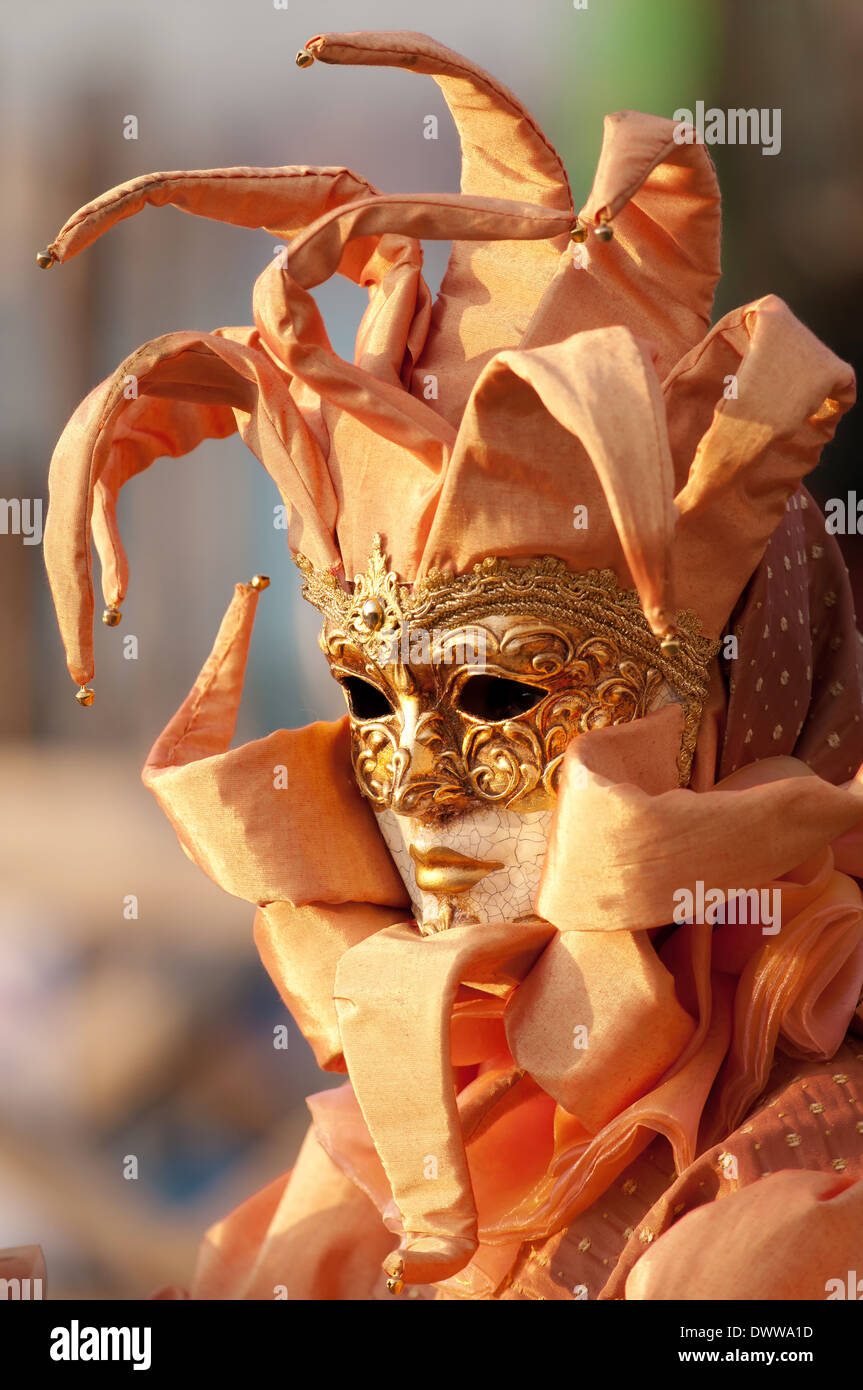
x=510, y=893
x=397, y=844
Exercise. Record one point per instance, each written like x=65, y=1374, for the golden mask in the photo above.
x=464, y=692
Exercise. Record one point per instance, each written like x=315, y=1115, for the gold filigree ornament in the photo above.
x=373, y=614
x=580, y=637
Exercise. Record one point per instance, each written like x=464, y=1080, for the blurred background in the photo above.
x=153, y=1036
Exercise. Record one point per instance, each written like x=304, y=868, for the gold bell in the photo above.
x=603, y=231
x=45, y=259
x=260, y=581
x=111, y=616
x=85, y=696
x=305, y=58
x=670, y=643
x=578, y=232
x=395, y=1283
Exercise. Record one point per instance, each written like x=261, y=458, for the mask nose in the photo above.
x=428, y=774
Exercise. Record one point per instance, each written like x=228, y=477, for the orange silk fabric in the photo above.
x=681, y=1038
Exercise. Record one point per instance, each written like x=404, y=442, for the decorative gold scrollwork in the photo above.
x=580, y=638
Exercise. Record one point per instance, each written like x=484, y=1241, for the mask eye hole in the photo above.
x=492, y=698
x=365, y=701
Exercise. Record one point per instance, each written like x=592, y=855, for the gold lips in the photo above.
x=442, y=870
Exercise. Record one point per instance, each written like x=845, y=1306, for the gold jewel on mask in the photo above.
x=581, y=634
x=374, y=614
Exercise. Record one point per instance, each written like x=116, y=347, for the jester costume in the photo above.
x=599, y=658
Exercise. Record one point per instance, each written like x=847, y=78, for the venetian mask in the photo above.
x=463, y=694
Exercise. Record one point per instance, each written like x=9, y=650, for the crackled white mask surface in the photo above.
x=504, y=851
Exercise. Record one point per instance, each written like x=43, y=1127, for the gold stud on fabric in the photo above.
x=578, y=232
x=603, y=231
x=45, y=259
x=261, y=581
x=670, y=642
x=305, y=58
x=111, y=616
x=395, y=1282
x=85, y=696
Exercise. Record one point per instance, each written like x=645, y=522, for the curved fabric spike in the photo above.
x=489, y=292
x=602, y=389
x=504, y=152
x=790, y=392
x=187, y=363
x=194, y=406
x=396, y=321
x=292, y=328
x=166, y=405
x=635, y=149
x=67, y=528
x=663, y=199
x=317, y=252
x=279, y=200
x=205, y=722
x=658, y=274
